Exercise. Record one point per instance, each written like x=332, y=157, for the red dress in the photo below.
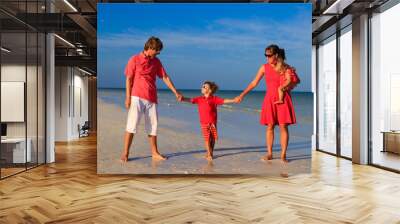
x=276, y=113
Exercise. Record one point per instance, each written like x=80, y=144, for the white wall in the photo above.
x=13, y=101
x=62, y=81
x=17, y=72
x=14, y=73
x=71, y=93
x=33, y=127
x=80, y=94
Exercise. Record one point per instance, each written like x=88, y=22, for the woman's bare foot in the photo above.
x=283, y=158
x=284, y=174
x=266, y=157
x=208, y=157
x=278, y=102
x=158, y=157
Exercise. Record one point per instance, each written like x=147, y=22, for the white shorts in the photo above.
x=141, y=107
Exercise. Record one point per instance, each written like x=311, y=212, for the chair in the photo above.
x=84, y=130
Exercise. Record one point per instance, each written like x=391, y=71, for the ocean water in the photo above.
x=239, y=122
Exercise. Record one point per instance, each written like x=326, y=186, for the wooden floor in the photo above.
x=5, y=172
x=70, y=191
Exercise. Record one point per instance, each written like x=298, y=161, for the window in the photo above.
x=22, y=91
x=385, y=89
x=327, y=95
x=346, y=74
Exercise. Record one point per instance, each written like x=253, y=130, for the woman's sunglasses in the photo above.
x=268, y=55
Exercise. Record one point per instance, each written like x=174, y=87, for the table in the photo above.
x=391, y=141
x=16, y=148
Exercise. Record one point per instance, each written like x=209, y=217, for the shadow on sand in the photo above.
x=242, y=150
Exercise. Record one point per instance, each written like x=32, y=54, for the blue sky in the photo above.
x=220, y=42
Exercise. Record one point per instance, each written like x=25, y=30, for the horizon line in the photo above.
x=199, y=89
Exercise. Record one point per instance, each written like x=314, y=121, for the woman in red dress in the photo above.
x=272, y=114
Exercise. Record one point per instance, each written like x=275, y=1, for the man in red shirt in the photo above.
x=141, y=94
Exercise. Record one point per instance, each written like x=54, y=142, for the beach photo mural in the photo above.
x=204, y=89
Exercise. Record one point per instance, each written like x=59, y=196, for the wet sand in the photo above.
x=185, y=149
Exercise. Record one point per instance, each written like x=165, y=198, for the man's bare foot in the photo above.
x=124, y=158
x=278, y=102
x=266, y=157
x=158, y=157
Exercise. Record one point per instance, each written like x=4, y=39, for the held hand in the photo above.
x=179, y=97
x=238, y=99
x=127, y=103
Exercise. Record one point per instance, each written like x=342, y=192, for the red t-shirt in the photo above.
x=144, y=71
x=208, y=108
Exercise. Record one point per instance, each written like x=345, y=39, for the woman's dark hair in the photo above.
x=274, y=49
x=153, y=43
x=213, y=86
x=282, y=54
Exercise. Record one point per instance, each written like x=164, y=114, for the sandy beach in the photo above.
x=185, y=151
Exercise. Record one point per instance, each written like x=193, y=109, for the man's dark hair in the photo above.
x=153, y=43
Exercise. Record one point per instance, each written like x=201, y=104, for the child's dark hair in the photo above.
x=213, y=86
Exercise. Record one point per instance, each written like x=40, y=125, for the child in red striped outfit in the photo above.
x=207, y=105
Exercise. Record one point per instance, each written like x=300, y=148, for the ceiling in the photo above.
x=76, y=22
